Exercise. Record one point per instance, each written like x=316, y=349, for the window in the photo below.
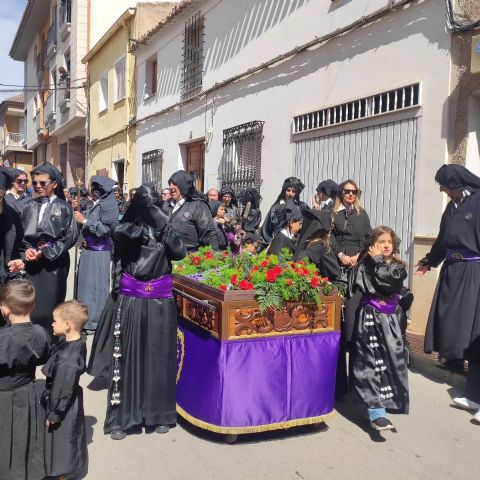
x=103, y=93
x=151, y=69
x=65, y=14
x=120, y=87
x=192, y=64
x=381, y=103
x=241, y=162
x=152, y=167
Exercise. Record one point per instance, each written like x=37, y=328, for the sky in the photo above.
x=11, y=72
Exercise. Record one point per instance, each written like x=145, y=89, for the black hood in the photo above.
x=290, y=213
x=289, y=183
x=251, y=195
x=457, y=177
x=54, y=174
x=315, y=222
x=184, y=182
x=146, y=205
x=6, y=177
x=102, y=186
x=214, y=206
x=228, y=189
x=329, y=188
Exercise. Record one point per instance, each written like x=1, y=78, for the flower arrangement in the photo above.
x=275, y=279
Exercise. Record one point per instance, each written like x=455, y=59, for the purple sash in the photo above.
x=98, y=244
x=462, y=255
x=382, y=305
x=160, y=287
x=42, y=242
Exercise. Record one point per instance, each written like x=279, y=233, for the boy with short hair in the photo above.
x=23, y=346
x=65, y=442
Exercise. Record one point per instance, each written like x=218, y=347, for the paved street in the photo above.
x=434, y=442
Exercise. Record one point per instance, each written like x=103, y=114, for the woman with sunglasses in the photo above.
x=17, y=196
x=351, y=228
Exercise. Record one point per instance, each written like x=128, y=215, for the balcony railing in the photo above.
x=39, y=65
x=38, y=122
x=65, y=16
x=51, y=44
x=14, y=140
x=63, y=95
x=50, y=110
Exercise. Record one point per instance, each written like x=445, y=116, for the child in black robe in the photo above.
x=65, y=442
x=380, y=369
x=291, y=223
x=23, y=346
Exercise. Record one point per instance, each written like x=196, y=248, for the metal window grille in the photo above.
x=65, y=12
x=152, y=162
x=242, y=156
x=379, y=104
x=192, y=71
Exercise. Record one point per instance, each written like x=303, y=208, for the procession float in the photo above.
x=258, y=342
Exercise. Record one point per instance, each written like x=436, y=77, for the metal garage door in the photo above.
x=380, y=158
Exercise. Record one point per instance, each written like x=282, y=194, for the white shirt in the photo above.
x=44, y=206
x=178, y=205
x=287, y=233
x=326, y=202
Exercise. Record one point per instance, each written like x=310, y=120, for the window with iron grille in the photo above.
x=152, y=167
x=379, y=104
x=242, y=156
x=192, y=64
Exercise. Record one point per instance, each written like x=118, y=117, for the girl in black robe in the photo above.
x=380, y=372
x=229, y=200
x=251, y=216
x=291, y=223
x=218, y=213
x=139, y=331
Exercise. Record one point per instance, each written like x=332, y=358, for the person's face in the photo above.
x=20, y=183
x=349, y=194
x=385, y=244
x=290, y=193
x=455, y=195
x=94, y=194
x=227, y=199
x=60, y=326
x=295, y=226
x=117, y=194
x=212, y=195
x=220, y=212
x=166, y=195
x=322, y=196
x=43, y=186
x=250, y=247
x=175, y=192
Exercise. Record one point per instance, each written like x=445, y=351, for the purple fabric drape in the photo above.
x=257, y=382
x=160, y=287
x=98, y=244
x=462, y=255
x=382, y=305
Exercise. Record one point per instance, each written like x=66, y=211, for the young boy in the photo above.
x=23, y=346
x=65, y=442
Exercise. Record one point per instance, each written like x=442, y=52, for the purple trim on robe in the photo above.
x=382, y=305
x=260, y=381
x=160, y=287
x=98, y=244
x=462, y=255
x=42, y=242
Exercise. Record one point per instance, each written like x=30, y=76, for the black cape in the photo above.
x=281, y=241
x=11, y=235
x=22, y=348
x=65, y=442
x=324, y=259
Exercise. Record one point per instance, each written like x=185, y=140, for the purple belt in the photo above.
x=462, y=255
x=98, y=244
x=383, y=305
x=160, y=287
x=42, y=242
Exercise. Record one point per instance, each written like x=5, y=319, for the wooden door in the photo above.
x=196, y=163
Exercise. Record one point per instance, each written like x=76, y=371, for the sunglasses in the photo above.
x=41, y=183
x=20, y=182
x=165, y=193
x=351, y=192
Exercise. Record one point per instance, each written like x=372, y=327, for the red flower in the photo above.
x=223, y=288
x=316, y=273
x=225, y=254
x=196, y=260
x=301, y=262
x=273, y=273
x=325, y=279
x=233, y=279
x=244, y=285
x=289, y=282
x=314, y=282
x=264, y=264
x=255, y=268
x=208, y=255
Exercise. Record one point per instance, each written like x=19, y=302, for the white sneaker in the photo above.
x=476, y=417
x=466, y=404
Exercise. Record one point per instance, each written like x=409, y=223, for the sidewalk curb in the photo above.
x=419, y=364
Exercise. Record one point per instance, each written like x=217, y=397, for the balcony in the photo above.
x=50, y=110
x=14, y=141
x=39, y=66
x=51, y=44
x=39, y=124
x=63, y=94
x=65, y=16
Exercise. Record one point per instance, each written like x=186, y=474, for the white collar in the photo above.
x=287, y=233
x=465, y=194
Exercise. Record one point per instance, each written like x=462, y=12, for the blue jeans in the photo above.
x=374, y=413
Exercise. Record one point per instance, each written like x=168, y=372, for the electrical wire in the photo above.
x=37, y=86
x=456, y=26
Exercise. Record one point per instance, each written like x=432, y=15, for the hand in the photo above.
x=79, y=217
x=30, y=254
x=15, y=266
x=354, y=259
x=315, y=204
x=49, y=423
x=421, y=269
x=346, y=261
x=74, y=203
x=221, y=221
x=374, y=250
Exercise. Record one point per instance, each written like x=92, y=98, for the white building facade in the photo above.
x=316, y=89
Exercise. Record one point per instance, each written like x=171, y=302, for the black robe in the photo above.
x=273, y=220
x=22, y=347
x=49, y=274
x=323, y=257
x=281, y=241
x=148, y=363
x=380, y=371
x=65, y=441
x=454, y=320
x=18, y=204
x=11, y=235
x=194, y=223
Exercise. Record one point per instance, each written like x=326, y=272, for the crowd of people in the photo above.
x=124, y=297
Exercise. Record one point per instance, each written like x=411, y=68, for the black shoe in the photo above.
x=118, y=435
x=162, y=429
x=382, y=423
